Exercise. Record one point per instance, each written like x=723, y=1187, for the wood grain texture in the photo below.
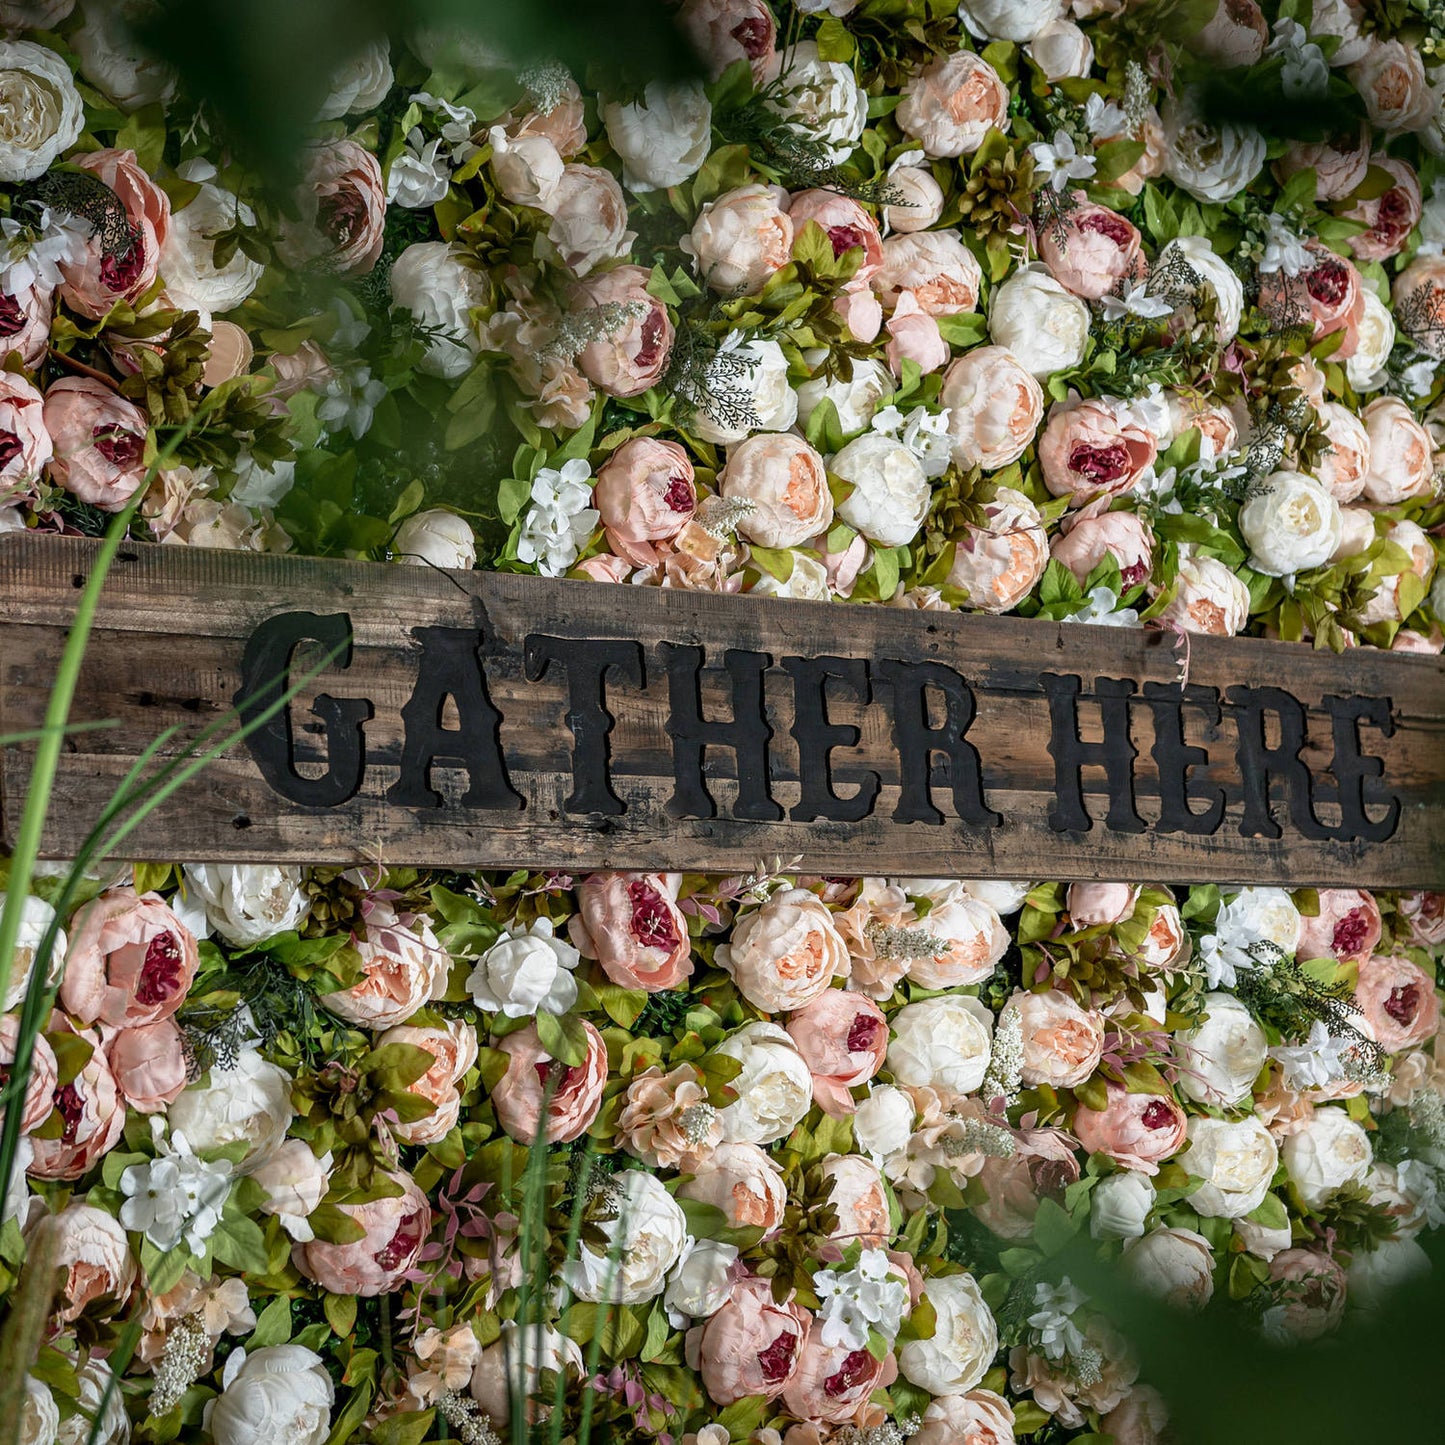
x=174, y=623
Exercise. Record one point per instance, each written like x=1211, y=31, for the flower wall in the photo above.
x=1116, y=314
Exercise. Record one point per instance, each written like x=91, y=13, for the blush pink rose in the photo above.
x=99, y=442
x=1235, y=34
x=1088, y=450
x=860, y=1200
x=998, y=563
x=628, y=359
x=974, y=938
x=1418, y=297
x=1041, y=1169
x=396, y=1228
x=994, y=408
x=1330, y=292
x=1347, y=927
x=913, y=335
x=742, y=1181
x=93, y=284
x=570, y=1094
x=833, y=1383
x=1167, y=939
x=25, y=325
x=725, y=31
x=645, y=493
x=1090, y=249
x=589, y=218
x=1062, y=1043
x=1402, y=458
x=1339, y=163
x=25, y=445
x=1208, y=597
x=786, y=480
x=305, y=369
x=404, y=968
x=92, y=1249
x=131, y=961
x=342, y=202
x=978, y=1418
x=1390, y=217
x=848, y=227
x=1398, y=1000
x=952, y=103
x=631, y=924
x=453, y=1046
x=785, y=954
x=40, y=1087
x=1310, y=1287
x=149, y=1064
x=92, y=1114
x=1135, y=1130
x=1124, y=536
x=843, y=1038
x=1390, y=78
x=935, y=266
x=751, y=1346
x=1423, y=914
x=1343, y=469
x=741, y=238
x=1094, y=903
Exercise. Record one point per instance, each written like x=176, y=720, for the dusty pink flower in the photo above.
x=92, y=1248
x=1089, y=450
x=100, y=278
x=25, y=325
x=1062, y=1043
x=1135, y=1130
x=631, y=924
x=1390, y=217
x=1093, y=903
x=997, y=563
x=741, y=238
x=994, y=408
x=342, y=202
x=404, y=968
x=1423, y=914
x=25, y=445
x=453, y=1046
x=1310, y=1290
x=1339, y=163
x=1398, y=1000
x=726, y=31
x=570, y=1094
x=1090, y=249
x=627, y=360
x=1016, y=1185
x=833, y=1383
x=751, y=1346
x=743, y=1182
x=667, y=1117
x=396, y=1228
x=1347, y=927
x=1124, y=536
x=952, y=103
x=645, y=494
x=92, y=1114
x=978, y=1418
x=1331, y=292
x=860, y=1199
x=784, y=954
x=935, y=266
x=99, y=441
x=149, y=1064
x=40, y=1087
x=843, y=1038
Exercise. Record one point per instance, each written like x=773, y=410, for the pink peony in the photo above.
x=92, y=1248
x=1398, y=1000
x=833, y=1383
x=1390, y=217
x=1090, y=450
x=751, y=1346
x=25, y=325
x=631, y=924
x=1135, y=1130
x=843, y=1038
x=645, y=493
x=786, y=953
x=994, y=408
x=99, y=439
x=404, y=968
x=149, y=1064
x=534, y=1081
x=40, y=1087
x=1090, y=249
x=123, y=269
x=92, y=1114
x=25, y=445
x=1347, y=927
x=343, y=211
x=743, y=1182
x=627, y=359
x=1124, y=536
x=396, y=1228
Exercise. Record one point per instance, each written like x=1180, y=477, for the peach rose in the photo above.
x=645, y=493
x=1090, y=249
x=98, y=280
x=843, y=1038
x=1062, y=1043
x=1089, y=450
x=1094, y=903
x=860, y=1199
x=589, y=219
x=935, y=266
x=751, y=1346
x=1208, y=597
x=1423, y=915
x=627, y=360
x=1390, y=217
x=99, y=442
x=1017, y=1185
x=667, y=1117
x=1217, y=428
x=742, y=1181
x=534, y=1081
x=994, y=408
x=1135, y=1130
x=833, y=1383
x=1167, y=941
x=396, y=1228
x=1347, y=927
x=565, y=124
x=40, y=1087
x=1402, y=459
x=131, y=960
x=631, y=924
x=454, y=1048
x=1330, y=292
x=25, y=445
x=92, y=1248
x=786, y=481
x=149, y=1064
x=1139, y=1420
x=1339, y=163
x=1398, y=1000
x=741, y=238
x=404, y=967
x=913, y=335
x=725, y=31
x=978, y=1418
x=1344, y=469
x=92, y=1114
x=25, y=324
x=785, y=954
x=997, y=564
x=1419, y=303
x=1124, y=536
x=952, y=103
x=342, y=204
x=1392, y=82
x=974, y=940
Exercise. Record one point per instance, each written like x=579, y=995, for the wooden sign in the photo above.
x=482, y=720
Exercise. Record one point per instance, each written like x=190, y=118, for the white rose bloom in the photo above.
x=1328, y=1151
x=775, y=1087
x=36, y=917
x=280, y=1393
x=1340, y=18
x=361, y=84
x=248, y=902
x=1175, y=1265
x=527, y=168
x=1263, y=1240
x=39, y=1415
x=762, y=388
x=437, y=536
x=1224, y=1054
x=957, y=1357
x=890, y=493
x=188, y=256
x=1218, y=277
x=261, y=486
x=645, y=1241
x=1119, y=1205
x=662, y=139
x=1212, y=163
x=295, y=1181
x=41, y=113
x=855, y=400
x=807, y=582
x=701, y=1282
x=1236, y=1160
x=250, y=1103
x=1003, y=896
x=823, y=100
x=1375, y=1274
x=1017, y=20
x=430, y=281
x=526, y=970
x=114, y=1427
x=941, y=1043
x=1365, y=367
x=1042, y=324
x=1062, y=51
x=883, y=1123
x=1291, y=524
x=111, y=60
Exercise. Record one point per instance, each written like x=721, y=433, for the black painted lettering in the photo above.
x=1071, y=754
x=816, y=737
x=586, y=661
x=1173, y=758
x=1351, y=767
x=1260, y=764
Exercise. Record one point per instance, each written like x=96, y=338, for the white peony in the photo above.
x=1017, y=20
x=701, y=1282
x=855, y=400
x=432, y=282
x=663, y=138
x=1236, y=1160
x=39, y=1414
x=1224, y=1054
x=188, y=253
x=957, y=1357
x=1291, y=524
x=761, y=388
x=248, y=902
x=1248, y=928
x=1062, y=51
x=361, y=84
x=1265, y=1240
x=111, y=60
x=1042, y=324
x=941, y=1043
x=1327, y=1152
x=526, y=970
x=1365, y=366
x=646, y=1239
x=280, y=1393
x=36, y=917
x=775, y=1087
x=1175, y=1265
x=1119, y=1205
x=1212, y=163
x=41, y=113
x=1003, y=896
x=807, y=582
x=114, y=1425
x=882, y=1123
x=438, y=537
x=250, y=1104
x=1374, y=1275
x=1219, y=279
x=890, y=493
x=823, y=100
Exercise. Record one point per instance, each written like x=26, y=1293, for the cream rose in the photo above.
x=1290, y=524
x=855, y=400
x=1364, y=367
x=942, y=1043
x=1218, y=277
x=1236, y=1160
x=741, y=238
x=645, y=1239
x=663, y=138
x=1224, y=1054
x=957, y=1356
x=823, y=100
x=249, y=1104
x=430, y=281
x=41, y=113
x=761, y=389
x=774, y=1089
x=436, y=537
x=1175, y=1265
x=787, y=484
x=1040, y=322
x=1324, y=1154
x=280, y=1393
x=785, y=954
x=890, y=493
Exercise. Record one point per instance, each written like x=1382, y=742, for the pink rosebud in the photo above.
x=1094, y=903
x=1124, y=536
x=39, y=1097
x=149, y=1064
x=914, y=336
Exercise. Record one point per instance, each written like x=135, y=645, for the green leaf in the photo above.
x=163, y=1269
x=654, y=1341
x=340, y=1311
x=330, y=1224
x=1271, y=1213
x=963, y=329
x=704, y=1221
x=1053, y=1228
x=622, y=1005
x=886, y=571
x=743, y=1416
x=563, y=1037
x=409, y=1429
x=273, y=1325
x=238, y=1242
x=775, y=561
x=144, y=132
